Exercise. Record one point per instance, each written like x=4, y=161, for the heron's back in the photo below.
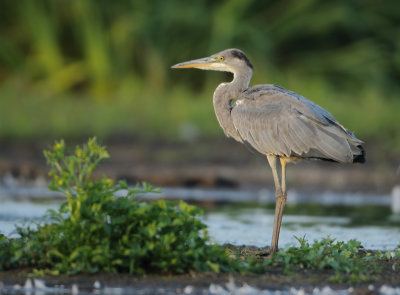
x=276, y=121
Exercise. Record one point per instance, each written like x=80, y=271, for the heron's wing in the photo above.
x=274, y=121
x=265, y=93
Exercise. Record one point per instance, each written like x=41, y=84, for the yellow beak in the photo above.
x=201, y=63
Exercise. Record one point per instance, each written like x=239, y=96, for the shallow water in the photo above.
x=37, y=286
x=22, y=212
x=254, y=227
x=244, y=224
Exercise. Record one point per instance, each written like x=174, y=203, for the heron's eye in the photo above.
x=221, y=58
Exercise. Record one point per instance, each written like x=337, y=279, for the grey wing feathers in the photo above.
x=276, y=121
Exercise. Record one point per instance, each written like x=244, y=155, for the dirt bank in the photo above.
x=213, y=163
x=199, y=283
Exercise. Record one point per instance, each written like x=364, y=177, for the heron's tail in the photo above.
x=338, y=145
x=359, y=155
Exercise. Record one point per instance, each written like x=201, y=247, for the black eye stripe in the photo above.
x=238, y=54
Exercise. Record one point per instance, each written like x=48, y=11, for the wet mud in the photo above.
x=207, y=164
x=199, y=283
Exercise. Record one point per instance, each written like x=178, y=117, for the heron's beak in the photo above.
x=201, y=63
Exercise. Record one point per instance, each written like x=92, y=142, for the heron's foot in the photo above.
x=274, y=247
x=272, y=252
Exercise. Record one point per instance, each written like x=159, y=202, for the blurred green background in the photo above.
x=78, y=68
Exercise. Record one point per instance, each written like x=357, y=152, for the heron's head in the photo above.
x=230, y=60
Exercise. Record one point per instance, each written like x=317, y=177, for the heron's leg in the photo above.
x=280, y=205
x=283, y=165
x=272, y=163
x=280, y=202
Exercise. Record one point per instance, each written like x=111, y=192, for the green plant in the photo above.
x=341, y=262
x=96, y=231
x=344, y=258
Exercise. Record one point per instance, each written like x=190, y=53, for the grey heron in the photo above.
x=275, y=122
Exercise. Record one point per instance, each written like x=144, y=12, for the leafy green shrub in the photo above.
x=346, y=259
x=94, y=230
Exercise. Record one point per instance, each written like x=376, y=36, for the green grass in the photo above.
x=164, y=115
x=29, y=116
x=73, y=69
x=345, y=259
x=340, y=261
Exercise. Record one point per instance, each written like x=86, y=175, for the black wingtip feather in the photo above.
x=360, y=158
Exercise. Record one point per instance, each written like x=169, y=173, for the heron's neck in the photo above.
x=227, y=91
x=223, y=97
x=241, y=80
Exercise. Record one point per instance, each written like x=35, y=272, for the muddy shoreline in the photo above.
x=207, y=164
x=199, y=283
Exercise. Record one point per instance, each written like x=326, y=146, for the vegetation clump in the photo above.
x=344, y=258
x=342, y=261
x=95, y=230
